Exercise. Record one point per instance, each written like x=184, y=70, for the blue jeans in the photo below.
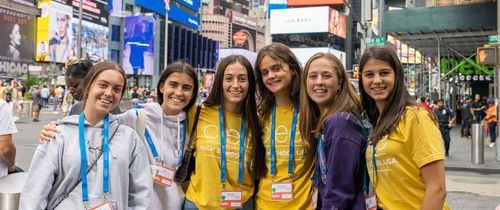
x=492, y=128
x=188, y=205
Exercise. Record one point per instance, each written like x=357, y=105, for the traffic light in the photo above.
x=487, y=55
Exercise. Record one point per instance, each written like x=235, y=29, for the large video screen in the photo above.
x=17, y=45
x=94, y=40
x=138, y=53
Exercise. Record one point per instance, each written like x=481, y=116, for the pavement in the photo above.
x=460, y=155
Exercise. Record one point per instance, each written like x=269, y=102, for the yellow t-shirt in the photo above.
x=205, y=187
x=415, y=142
x=303, y=164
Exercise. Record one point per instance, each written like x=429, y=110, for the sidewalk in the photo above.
x=460, y=155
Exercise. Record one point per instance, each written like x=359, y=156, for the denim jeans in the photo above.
x=188, y=205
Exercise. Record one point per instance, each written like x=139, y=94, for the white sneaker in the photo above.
x=491, y=145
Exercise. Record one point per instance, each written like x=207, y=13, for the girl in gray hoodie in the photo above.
x=165, y=123
x=114, y=173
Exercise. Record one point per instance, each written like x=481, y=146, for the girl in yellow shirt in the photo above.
x=287, y=183
x=405, y=158
x=229, y=153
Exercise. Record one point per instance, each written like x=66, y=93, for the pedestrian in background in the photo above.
x=478, y=109
x=36, y=97
x=45, y=96
x=405, y=155
x=467, y=117
x=288, y=158
x=491, y=118
x=446, y=119
x=330, y=113
x=92, y=148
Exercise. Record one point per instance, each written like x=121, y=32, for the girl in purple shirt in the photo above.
x=329, y=120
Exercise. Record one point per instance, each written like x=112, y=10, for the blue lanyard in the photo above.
x=374, y=168
x=223, y=147
x=83, y=156
x=322, y=159
x=153, y=148
x=292, y=141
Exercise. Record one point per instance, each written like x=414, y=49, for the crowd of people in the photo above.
x=276, y=136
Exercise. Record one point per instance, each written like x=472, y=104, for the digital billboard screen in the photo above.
x=60, y=40
x=337, y=24
x=138, y=53
x=17, y=45
x=94, y=40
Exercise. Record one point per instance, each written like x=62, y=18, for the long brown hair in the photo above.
x=216, y=97
x=266, y=98
x=178, y=67
x=395, y=106
x=345, y=100
x=94, y=71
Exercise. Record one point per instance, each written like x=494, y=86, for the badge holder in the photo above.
x=282, y=191
x=162, y=175
x=101, y=204
x=231, y=199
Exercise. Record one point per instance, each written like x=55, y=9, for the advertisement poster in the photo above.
x=60, y=44
x=17, y=46
x=42, y=31
x=337, y=25
x=115, y=7
x=94, y=40
x=138, y=58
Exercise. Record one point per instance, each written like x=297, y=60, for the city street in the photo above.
x=466, y=190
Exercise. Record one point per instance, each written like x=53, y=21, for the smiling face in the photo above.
x=235, y=85
x=276, y=75
x=74, y=88
x=378, y=81
x=322, y=82
x=105, y=92
x=177, y=91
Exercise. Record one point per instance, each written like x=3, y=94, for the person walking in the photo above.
x=405, y=155
x=491, y=118
x=45, y=96
x=36, y=96
x=467, y=117
x=446, y=119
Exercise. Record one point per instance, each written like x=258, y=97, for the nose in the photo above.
x=234, y=83
x=319, y=80
x=377, y=79
x=178, y=91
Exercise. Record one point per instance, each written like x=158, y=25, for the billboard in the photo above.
x=138, y=53
x=95, y=11
x=314, y=2
x=17, y=45
x=303, y=54
x=191, y=4
x=174, y=13
x=115, y=7
x=58, y=27
x=276, y=4
x=337, y=24
x=300, y=20
x=94, y=40
x=60, y=37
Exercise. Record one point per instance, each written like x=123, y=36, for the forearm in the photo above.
x=8, y=151
x=434, y=198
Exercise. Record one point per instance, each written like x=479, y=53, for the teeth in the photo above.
x=320, y=91
x=176, y=99
x=106, y=101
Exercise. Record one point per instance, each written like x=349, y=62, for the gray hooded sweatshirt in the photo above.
x=55, y=169
x=166, y=133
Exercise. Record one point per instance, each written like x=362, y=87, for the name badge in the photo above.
x=281, y=191
x=163, y=175
x=314, y=199
x=231, y=199
x=371, y=202
x=103, y=206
